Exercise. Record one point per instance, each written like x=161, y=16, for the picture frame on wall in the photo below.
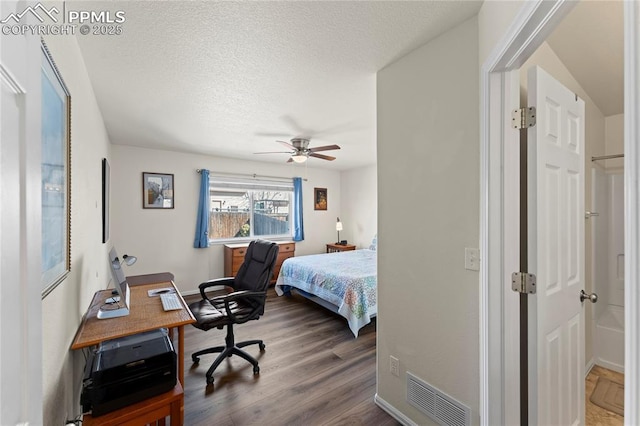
x=319, y=198
x=157, y=190
x=106, y=177
x=56, y=174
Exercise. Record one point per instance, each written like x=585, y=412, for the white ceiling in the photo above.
x=229, y=78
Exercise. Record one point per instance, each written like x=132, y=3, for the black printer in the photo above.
x=127, y=370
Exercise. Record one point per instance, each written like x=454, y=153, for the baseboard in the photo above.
x=392, y=411
x=589, y=366
x=610, y=365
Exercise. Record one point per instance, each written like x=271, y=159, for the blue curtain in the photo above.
x=202, y=220
x=298, y=227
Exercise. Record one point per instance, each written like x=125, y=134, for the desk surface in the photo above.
x=145, y=314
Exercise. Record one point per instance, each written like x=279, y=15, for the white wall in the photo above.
x=614, y=130
x=63, y=308
x=494, y=19
x=428, y=211
x=359, y=190
x=163, y=239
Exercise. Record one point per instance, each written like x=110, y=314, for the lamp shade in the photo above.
x=338, y=226
x=129, y=260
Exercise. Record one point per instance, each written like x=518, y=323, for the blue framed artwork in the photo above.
x=56, y=175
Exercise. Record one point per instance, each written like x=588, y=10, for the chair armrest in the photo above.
x=218, y=282
x=255, y=300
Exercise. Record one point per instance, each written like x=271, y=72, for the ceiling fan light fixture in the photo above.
x=299, y=158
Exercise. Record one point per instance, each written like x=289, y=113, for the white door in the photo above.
x=556, y=252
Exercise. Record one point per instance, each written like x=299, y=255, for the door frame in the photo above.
x=499, y=207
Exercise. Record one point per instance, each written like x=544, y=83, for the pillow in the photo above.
x=374, y=243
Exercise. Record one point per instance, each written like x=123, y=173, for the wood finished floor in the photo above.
x=313, y=371
x=595, y=415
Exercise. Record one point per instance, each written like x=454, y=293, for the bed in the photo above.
x=344, y=282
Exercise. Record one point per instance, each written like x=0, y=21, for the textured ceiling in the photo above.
x=590, y=42
x=229, y=78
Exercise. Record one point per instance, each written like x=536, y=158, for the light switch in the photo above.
x=472, y=259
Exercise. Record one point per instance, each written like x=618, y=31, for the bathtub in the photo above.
x=610, y=339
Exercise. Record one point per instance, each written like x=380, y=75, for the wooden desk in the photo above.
x=143, y=412
x=145, y=314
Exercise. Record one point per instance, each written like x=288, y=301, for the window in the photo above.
x=249, y=208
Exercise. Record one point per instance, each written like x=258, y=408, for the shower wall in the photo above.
x=608, y=266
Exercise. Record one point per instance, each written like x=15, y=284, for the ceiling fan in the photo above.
x=300, y=151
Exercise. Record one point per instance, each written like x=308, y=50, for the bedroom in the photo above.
x=457, y=362
x=351, y=195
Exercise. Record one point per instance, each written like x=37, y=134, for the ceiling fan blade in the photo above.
x=274, y=152
x=287, y=144
x=324, y=148
x=324, y=157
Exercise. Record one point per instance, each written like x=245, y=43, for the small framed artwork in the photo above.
x=320, y=198
x=157, y=190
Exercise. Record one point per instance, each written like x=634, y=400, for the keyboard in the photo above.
x=170, y=302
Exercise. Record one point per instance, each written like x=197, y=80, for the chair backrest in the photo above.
x=256, y=270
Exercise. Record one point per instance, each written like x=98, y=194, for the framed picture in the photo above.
x=56, y=175
x=106, y=177
x=157, y=190
x=319, y=198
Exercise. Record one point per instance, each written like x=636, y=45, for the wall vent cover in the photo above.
x=436, y=404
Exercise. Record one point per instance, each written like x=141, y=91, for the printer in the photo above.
x=127, y=370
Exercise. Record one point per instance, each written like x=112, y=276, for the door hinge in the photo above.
x=523, y=118
x=523, y=282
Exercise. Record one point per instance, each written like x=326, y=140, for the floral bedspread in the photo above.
x=346, y=279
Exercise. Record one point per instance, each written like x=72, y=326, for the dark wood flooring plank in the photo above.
x=313, y=371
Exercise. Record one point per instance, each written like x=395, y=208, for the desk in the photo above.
x=145, y=314
x=143, y=412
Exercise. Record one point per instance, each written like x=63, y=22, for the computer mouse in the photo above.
x=114, y=291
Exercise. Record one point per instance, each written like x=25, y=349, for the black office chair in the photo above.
x=245, y=303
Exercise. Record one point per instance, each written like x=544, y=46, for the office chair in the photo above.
x=245, y=303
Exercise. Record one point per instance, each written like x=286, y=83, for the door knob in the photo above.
x=592, y=297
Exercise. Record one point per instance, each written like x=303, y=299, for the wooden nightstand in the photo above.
x=333, y=248
x=234, y=256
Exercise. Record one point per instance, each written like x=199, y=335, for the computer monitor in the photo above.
x=117, y=306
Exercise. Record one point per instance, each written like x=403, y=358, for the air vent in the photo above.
x=436, y=404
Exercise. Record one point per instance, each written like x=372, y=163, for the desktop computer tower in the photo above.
x=128, y=370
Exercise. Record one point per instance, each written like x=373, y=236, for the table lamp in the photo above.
x=338, y=228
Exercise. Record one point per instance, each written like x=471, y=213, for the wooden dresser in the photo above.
x=234, y=256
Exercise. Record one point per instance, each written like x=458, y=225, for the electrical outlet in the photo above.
x=472, y=259
x=394, y=366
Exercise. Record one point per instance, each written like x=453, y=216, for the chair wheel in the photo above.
x=261, y=346
x=256, y=370
x=195, y=359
